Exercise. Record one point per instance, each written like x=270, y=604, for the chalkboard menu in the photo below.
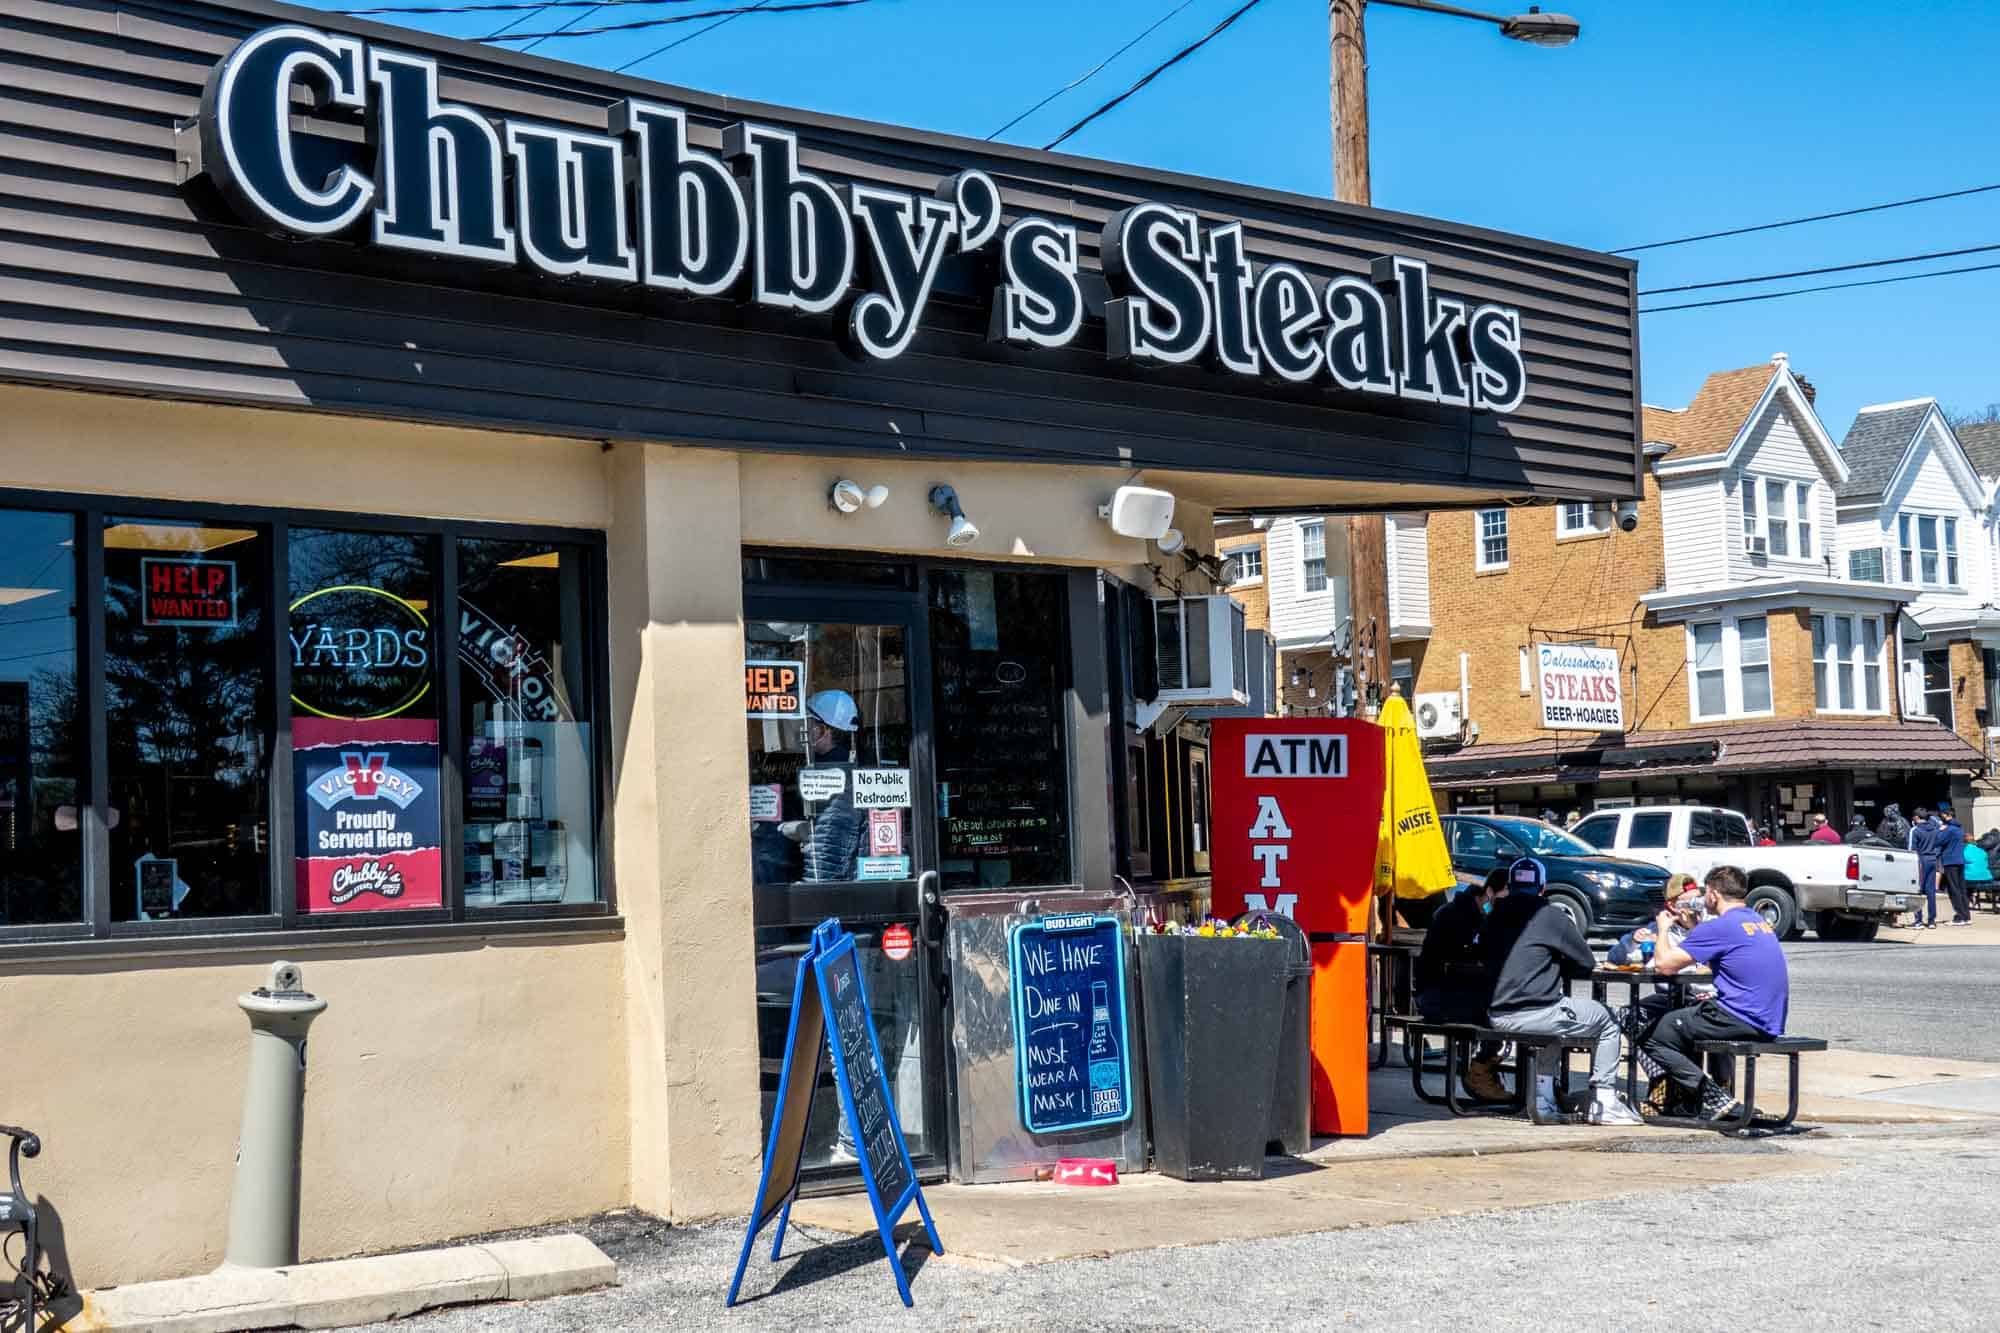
x=865, y=1089
x=830, y=1014
x=1068, y=982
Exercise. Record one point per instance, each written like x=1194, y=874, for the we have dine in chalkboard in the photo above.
x=1068, y=980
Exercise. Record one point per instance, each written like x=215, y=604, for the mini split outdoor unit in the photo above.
x=1199, y=648
x=1437, y=714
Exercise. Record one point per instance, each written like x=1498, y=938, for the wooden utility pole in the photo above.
x=1367, y=536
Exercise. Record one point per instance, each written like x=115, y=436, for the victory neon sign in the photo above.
x=640, y=204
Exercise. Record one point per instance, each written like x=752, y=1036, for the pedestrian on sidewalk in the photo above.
x=1452, y=984
x=1894, y=829
x=1857, y=831
x=1529, y=946
x=1752, y=989
x=1822, y=831
x=1923, y=840
x=1951, y=865
x=1979, y=866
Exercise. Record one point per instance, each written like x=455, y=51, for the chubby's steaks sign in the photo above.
x=642, y=205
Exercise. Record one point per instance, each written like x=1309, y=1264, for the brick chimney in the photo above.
x=1806, y=388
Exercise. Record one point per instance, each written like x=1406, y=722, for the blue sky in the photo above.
x=1668, y=117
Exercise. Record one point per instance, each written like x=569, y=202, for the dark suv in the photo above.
x=1607, y=894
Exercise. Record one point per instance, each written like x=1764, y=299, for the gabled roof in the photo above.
x=1982, y=446
x=1876, y=443
x=1710, y=424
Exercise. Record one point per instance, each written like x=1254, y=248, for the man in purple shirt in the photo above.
x=1752, y=989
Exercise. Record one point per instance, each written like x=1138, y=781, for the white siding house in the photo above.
x=1306, y=574
x=1409, y=576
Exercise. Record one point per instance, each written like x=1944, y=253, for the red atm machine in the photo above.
x=1297, y=810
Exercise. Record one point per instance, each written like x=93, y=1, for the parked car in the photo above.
x=1601, y=893
x=1842, y=892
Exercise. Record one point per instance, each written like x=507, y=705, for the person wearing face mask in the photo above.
x=832, y=835
x=1452, y=985
x=1685, y=907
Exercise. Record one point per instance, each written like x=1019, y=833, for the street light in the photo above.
x=1533, y=27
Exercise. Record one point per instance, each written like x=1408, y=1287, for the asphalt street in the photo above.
x=1861, y=1240
x=1905, y=999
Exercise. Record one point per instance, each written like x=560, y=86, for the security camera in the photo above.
x=1628, y=516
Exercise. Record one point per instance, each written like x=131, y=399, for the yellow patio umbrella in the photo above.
x=1411, y=859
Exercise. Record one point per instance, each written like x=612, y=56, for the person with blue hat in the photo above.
x=1530, y=947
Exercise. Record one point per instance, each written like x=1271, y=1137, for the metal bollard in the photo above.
x=264, y=1209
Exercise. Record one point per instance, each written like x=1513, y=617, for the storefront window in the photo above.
x=999, y=651
x=828, y=712
x=188, y=709
x=41, y=736
x=526, y=765
x=367, y=826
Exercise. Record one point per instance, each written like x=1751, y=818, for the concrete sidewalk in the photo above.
x=1417, y=1163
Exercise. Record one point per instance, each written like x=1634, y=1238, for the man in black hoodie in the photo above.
x=1529, y=946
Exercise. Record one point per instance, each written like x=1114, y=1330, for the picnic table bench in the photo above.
x=1460, y=1039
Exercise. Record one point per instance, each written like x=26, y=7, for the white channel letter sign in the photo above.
x=642, y=205
x=1579, y=687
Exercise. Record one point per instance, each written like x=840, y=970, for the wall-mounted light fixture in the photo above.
x=1170, y=541
x=963, y=531
x=848, y=496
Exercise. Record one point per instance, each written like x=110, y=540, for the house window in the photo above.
x=1989, y=661
x=1730, y=667
x=1312, y=555
x=1753, y=655
x=1579, y=518
x=1927, y=548
x=1951, y=552
x=1865, y=566
x=1905, y=547
x=1777, y=531
x=1492, y=549
x=1250, y=565
x=1710, y=692
x=1847, y=664
x=1803, y=495
x=1751, y=528
x=1937, y=684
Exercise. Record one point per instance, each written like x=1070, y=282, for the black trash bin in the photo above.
x=1291, y=1100
x=1214, y=1011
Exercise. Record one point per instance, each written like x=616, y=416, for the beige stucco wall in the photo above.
x=451, y=1089
x=474, y=1084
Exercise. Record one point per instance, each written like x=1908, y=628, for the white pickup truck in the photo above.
x=1842, y=892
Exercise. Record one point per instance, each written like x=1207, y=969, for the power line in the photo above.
x=1093, y=71
x=1828, y=287
x=504, y=6
x=683, y=41
x=1815, y=272
x=636, y=24
x=1156, y=71
x=1815, y=217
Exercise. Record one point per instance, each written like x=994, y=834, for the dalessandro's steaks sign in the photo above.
x=641, y=205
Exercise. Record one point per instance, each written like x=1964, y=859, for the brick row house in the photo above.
x=1801, y=626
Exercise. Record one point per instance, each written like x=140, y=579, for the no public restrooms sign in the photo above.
x=1297, y=807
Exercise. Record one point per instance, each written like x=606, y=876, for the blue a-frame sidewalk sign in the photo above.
x=831, y=965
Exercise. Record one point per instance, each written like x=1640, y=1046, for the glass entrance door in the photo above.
x=838, y=700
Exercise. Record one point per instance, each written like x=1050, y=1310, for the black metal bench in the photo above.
x=17, y=1213
x=1747, y=1052
x=1460, y=1039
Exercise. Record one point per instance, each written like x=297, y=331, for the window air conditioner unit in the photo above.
x=1198, y=645
x=1756, y=545
x=1437, y=714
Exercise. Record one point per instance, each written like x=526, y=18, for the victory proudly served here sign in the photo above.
x=1579, y=687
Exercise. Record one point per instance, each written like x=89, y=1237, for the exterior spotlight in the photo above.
x=1171, y=541
x=963, y=531
x=847, y=496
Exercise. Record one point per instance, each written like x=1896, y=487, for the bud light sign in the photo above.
x=368, y=821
